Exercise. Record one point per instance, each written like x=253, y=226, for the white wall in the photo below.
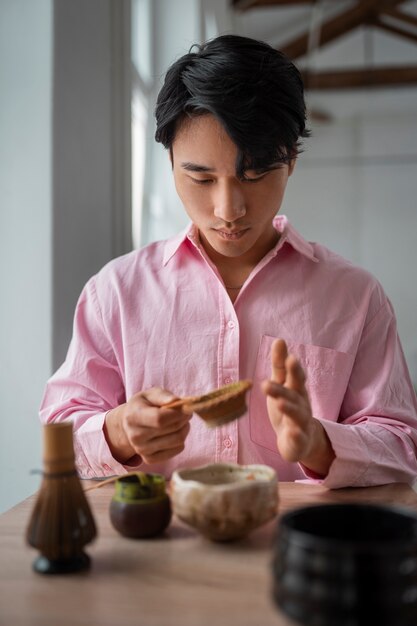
x=175, y=31
x=25, y=238
x=64, y=195
x=355, y=190
x=91, y=144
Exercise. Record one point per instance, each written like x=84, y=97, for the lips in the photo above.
x=231, y=235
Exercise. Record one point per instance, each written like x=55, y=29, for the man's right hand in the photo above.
x=141, y=427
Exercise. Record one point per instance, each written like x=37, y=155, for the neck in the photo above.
x=235, y=270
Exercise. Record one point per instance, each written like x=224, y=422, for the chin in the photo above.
x=231, y=251
x=228, y=248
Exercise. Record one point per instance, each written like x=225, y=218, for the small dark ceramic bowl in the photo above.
x=347, y=565
x=140, y=506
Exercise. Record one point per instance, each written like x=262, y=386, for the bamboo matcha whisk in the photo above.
x=61, y=523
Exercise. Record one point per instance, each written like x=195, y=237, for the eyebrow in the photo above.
x=195, y=167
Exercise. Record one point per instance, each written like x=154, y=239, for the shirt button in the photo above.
x=231, y=324
x=227, y=442
x=228, y=380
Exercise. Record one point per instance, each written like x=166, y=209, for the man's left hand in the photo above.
x=300, y=437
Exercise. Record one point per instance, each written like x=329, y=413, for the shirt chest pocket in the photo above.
x=327, y=372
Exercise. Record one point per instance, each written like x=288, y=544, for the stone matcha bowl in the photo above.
x=225, y=501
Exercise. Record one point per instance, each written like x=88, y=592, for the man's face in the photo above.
x=233, y=216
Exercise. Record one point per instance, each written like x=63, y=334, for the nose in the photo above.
x=229, y=201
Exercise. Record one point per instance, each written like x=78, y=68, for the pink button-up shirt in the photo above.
x=160, y=316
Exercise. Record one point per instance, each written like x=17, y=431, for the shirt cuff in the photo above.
x=93, y=455
x=352, y=457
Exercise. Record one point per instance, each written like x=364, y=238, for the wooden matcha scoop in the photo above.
x=217, y=407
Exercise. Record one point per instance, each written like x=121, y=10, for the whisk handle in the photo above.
x=177, y=403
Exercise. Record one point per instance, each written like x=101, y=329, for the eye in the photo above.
x=202, y=181
x=257, y=179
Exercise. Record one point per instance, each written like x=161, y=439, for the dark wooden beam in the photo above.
x=245, y=5
x=395, y=30
x=363, y=78
x=341, y=24
x=400, y=16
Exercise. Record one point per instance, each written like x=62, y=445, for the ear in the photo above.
x=291, y=166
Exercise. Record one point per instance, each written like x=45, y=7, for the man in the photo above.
x=239, y=294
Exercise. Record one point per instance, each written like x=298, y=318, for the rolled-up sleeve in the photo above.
x=375, y=438
x=86, y=387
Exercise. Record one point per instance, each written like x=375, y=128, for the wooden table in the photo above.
x=178, y=579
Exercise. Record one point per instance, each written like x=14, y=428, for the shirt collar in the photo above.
x=174, y=243
x=288, y=234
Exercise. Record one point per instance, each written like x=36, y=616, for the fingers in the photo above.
x=155, y=396
x=144, y=411
x=153, y=418
x=289, y=401
x=290, y=415
x=290, y=398
x=288, y=404
x=285, y=368
x=295, y=375
x=166, y=446
x=155, y=433
x=279, y=355
x=154, y=444
x=155, y=424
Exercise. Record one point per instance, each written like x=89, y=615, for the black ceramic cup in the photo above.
x=347, y=565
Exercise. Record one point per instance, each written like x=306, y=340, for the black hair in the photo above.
x=252, y=89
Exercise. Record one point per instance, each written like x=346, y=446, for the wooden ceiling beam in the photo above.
x=361, y=79
x=245, y=5
x=400, y=16
x=395, y=30
x=342, y=23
